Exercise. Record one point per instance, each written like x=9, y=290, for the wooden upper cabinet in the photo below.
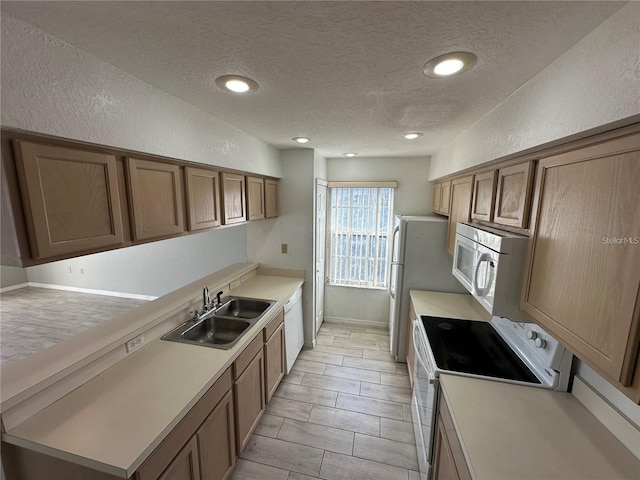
x=203, y=198
x=460, y=207
x=234, y=204
x=445, y=197
x=513, y=195
x=584, y=273
x=156, y=199
x=442, y=197
x=437, y=195
x=484, y=195
x=255, y=198
x=70, y=199
x=270, y=198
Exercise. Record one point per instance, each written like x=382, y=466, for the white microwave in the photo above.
x=490, y=264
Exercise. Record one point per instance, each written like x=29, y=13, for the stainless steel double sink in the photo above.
x=224, y=326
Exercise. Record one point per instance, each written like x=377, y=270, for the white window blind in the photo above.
x=360, y=227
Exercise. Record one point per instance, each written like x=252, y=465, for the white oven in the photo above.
x=490, y=265
x=499, y=350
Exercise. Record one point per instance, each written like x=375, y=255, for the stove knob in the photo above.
x=531, y=335
x=540, y=343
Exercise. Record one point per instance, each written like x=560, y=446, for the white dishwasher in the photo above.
x=293, y=330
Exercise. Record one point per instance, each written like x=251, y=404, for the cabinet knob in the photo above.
x=540, y=343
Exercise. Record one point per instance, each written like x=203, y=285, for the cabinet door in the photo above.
x=185, y=465
x=233, y=199
x=274, y=358
x=584, y=277
x=484, y=195
x=513, y=195
x=271, y=198
x=203, y=198
x=445, y=197
x=461, y=189
x=437, y=193
x=156, y=199
x=448, y=460
x=255, y=198
x=248, y=392
x=216, y=442
x=70, y=198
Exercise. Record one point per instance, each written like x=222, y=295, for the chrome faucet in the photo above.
x=206, y=300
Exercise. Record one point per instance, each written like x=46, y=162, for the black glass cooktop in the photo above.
x=474, y=347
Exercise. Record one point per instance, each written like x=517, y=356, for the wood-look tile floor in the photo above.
x=32, y=319
x=343, y=413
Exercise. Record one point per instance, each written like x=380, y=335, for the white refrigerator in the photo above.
x=419, y=261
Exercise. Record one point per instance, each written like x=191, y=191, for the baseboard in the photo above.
x=356, y=321
x=107, y=293
x=609, y=416
x=14, y=287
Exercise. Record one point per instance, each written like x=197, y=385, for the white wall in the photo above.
x=10, y=276
x=412, y=197
x=294, y=227
x=51, y=87
x=155, y=268
x=594, y=83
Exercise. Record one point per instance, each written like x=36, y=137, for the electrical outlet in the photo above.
x=135, y=343
x=284, y=247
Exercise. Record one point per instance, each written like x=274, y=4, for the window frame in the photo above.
x=370, y=282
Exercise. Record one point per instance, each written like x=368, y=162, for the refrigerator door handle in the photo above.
x=396, y=229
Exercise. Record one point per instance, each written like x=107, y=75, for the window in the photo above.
x=360, y=229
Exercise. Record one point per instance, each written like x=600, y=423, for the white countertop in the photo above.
x=448, y=305
x=515, y=432
x=113, y=422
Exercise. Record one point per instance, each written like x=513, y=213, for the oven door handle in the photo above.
x=418, y=343
x=484, y=257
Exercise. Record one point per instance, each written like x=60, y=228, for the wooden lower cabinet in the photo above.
x=249, y=398
x=448, y=459
x=216, y=441
x=185, y=465
x=274, y=358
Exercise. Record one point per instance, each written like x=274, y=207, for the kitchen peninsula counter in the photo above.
x=515, y=432
x=115, y=421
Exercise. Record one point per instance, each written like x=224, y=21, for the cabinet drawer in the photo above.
x=245, y=358
x=273, y=325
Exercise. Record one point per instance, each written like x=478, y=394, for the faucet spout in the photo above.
x=206, y=299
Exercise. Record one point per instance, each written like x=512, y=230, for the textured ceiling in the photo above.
x=348, y=74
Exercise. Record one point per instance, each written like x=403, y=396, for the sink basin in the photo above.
x=216, y=331
x=247, y=308
x=223, y=327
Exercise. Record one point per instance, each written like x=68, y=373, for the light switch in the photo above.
x=284, y=247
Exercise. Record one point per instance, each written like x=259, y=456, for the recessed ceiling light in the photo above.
x=301, y=139
x=350, y=154
x=412, y=135
x=449, y=64
x=236, y=84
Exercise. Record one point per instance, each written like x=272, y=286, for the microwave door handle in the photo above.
x=484, y=257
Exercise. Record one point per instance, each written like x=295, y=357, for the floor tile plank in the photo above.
x=247, y=470
x=346, y=420
x=269, y=426
x=319, y=436
x=314, y=356
x=396, y=430
x=385, y=392
x=283, y=407
x=342, y=467
x=284, y=455
x=385, y=451
x=367, y=364
x=316, y=396
x=372, y=406
x=331, y=383
x=302, y=365
x=352, y=373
